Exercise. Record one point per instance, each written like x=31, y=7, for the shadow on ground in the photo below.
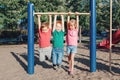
x=19, y=58
x=99, y=65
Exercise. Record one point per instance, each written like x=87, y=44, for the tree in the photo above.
x=116, y=14
x=13, y=11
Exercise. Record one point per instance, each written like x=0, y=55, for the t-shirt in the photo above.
x=58, y=39
x=44, y=39
x=72, y=37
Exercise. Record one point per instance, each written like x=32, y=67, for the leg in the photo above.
x=74, y=50
x=60, y=57
x=69, y=60
x=72, y=62
x=41, y=55
x=54, y=57
x=69, y=57
x=49, y=51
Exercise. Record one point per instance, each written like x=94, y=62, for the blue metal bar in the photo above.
x=30, y=38
x=93, y=35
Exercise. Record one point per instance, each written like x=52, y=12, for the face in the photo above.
x=72, y=26
x=58, y=27
x=44, y=29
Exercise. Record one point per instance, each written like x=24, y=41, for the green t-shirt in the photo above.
x=58, y=39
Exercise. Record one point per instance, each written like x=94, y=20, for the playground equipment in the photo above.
x=112, y=40
x=31, y=34
x=106, y=43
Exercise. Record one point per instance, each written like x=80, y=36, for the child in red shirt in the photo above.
x=44, y=39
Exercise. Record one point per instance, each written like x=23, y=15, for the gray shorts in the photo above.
x=45, y=52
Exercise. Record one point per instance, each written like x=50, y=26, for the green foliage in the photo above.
x=103, y=14
x=116, y=14
x=11, y=11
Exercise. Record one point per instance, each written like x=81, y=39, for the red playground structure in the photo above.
x=106, y=43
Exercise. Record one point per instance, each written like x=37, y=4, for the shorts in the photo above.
x=45, y=52
x=71, y=49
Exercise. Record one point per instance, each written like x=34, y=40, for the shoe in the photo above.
x=54, y=67
x=46, y=58
x=59, y=66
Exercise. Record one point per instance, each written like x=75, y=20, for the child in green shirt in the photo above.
x=58, y=42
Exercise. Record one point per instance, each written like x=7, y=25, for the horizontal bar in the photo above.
x=115, y=44
x=115, y=29
x=60, y=13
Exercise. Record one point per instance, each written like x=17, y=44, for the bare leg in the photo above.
x=69, y=60
x=72, y=62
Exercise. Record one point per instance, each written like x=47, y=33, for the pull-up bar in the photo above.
x=92, y=35
x=60, y=13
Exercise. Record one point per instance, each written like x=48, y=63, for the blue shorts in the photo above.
x=71, y=49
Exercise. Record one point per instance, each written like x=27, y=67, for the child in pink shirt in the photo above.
x=44, y=39
x=71, y=39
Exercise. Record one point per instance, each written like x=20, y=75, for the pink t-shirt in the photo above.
x=72, y=37
x=44, y=39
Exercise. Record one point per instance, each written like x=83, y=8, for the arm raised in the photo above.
x=39, y=21
x=50, y=21
x=54, y=24
x=62, y=17
x=77, y=20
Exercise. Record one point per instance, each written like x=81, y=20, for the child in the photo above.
x=71, y=39
x=44, y=39
x=58, y=40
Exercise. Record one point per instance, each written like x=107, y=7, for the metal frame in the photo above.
x=92, y=35
x=60, y=13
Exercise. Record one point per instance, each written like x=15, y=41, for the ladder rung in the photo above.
x=114, y=29
x=116, y=44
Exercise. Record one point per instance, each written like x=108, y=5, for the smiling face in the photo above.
x=72, y=24
x=44, y=27
x=58, y=27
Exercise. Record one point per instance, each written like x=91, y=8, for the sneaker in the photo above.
x=54, y=67
x=59, y=66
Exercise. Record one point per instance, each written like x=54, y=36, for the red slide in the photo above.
x=106, y=43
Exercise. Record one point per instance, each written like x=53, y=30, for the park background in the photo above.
x=13, y=16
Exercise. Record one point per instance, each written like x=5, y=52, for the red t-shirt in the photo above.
x=44, y=38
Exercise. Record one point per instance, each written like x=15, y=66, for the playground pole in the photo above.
x=30, y=38
x=92, y=35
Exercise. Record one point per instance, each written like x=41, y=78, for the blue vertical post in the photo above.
x=30, y=38
x=92, y=35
